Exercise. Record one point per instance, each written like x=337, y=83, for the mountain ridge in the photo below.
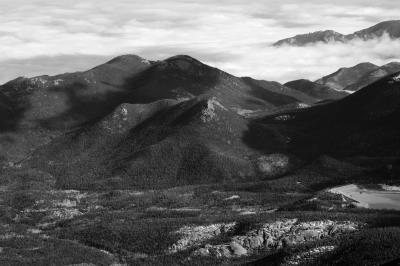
x=354, y=78
x=35, y=110
x=391, y=28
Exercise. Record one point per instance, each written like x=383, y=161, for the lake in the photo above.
x=370, y=198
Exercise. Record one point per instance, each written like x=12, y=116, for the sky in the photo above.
x=51, y=37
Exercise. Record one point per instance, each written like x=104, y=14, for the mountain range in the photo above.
x=175, y=162
x=35, y=110
x=391, y=28
x=133, y=122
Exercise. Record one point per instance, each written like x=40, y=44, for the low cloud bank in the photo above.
x=260, y=61
x=311, y=62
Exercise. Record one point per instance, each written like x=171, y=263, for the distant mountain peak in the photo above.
x=325, y=36
x=391, y=28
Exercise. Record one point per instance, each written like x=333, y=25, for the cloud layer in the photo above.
x=49, y=37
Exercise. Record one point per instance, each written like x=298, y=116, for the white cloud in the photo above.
x=231, y=34
x=313, y=61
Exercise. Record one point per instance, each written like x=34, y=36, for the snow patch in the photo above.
x=186, y=209
x=303, y=105
x=244, y=112
x=39, y=81
x=124, y=113
x=284, y=117
x=396, y=78
x=67, y=203
x=233, y=197
x=34, y=231
x=183, y=99
x=145, y=61
x=57, y=82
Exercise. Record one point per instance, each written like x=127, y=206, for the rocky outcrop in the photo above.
x=209, y=114
x=192, y=236
x=307, y=257
x=272, y=236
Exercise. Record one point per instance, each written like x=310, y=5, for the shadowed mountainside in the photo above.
x=194, y=142
x=316, y=90
x=180, y=122
x=364, y=123
x=36, y=110
x=344, y=77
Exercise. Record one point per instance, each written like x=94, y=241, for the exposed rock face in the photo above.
x=195, y=235
x=209, y=114
x=276, y=235
x=396, y=78
x=308, y=257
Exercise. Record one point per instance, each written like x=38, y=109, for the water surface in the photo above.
x=370, y=198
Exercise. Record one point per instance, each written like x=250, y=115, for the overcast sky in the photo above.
x=49, y=37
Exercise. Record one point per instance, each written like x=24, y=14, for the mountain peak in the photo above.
x=385, y=25
x=127, y=59
x=346, y=76
x=183, y=64
x=391, y=27
x=183, y=61
x=182, y=57
x=325, y=36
